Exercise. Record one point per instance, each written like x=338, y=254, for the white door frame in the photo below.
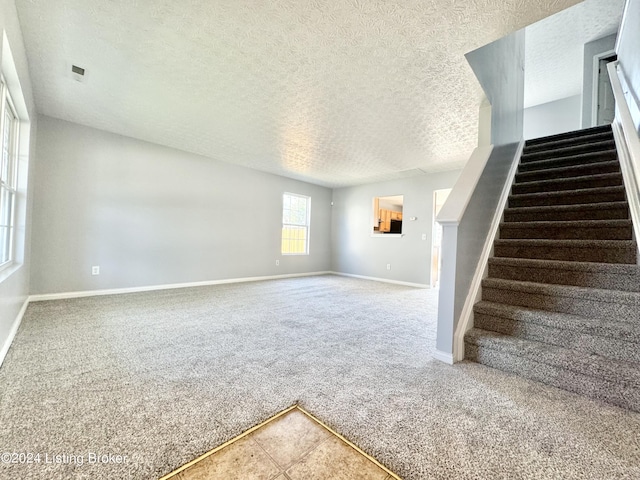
x=596, y=83
x=434, y=226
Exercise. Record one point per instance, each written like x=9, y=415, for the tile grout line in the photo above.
x=281, y=470
x=226, y=444
x=308, y=452
x=352, y=445
x=303, y=455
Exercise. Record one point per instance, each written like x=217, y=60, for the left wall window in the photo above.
x=9, y=126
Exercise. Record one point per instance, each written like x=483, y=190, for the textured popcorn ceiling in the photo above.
x=336, y=92
x=555, y=45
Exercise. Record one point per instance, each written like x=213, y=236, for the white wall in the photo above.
x=552, y=118
x=356, y=252
x=14, y=281
x=151, y=215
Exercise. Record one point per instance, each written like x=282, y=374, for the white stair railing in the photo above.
x=625, y=132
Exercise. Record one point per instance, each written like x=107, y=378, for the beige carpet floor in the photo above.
x=162, y=377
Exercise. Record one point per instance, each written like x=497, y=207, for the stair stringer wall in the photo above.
x=474, y=286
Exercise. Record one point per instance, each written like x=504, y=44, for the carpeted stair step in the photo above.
x=568, y=151
x=561, y=304
x=613, y=339
x=590, y=211
x=599, y=251
x=591, y=375
x=572, y=183
x=574, y=230
x=612, y=166
x=580, y=274
x=595, y=157
x=569, y=197
x=592, y=138
x=575, y=136
x=592, y=302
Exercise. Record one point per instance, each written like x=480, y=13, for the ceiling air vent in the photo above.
x=78, y=70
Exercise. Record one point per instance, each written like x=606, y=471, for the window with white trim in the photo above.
x=296, y=214
x=9, y=125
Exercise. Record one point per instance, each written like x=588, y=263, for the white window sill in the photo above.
x=9, y=270
x=387, y=235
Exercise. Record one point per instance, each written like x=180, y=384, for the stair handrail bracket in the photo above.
x=625, y=132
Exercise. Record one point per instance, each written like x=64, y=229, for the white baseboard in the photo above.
x=118, y=291
x=13, y=331
x=383, y=280
x=443, y=356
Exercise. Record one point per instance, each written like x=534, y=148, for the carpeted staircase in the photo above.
x=561, y=304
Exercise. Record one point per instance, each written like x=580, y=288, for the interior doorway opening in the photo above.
x=439, y=197
x=604, y=105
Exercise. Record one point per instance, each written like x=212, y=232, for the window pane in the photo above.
x=6, y=209
x=8, y=169
x=294, y=210
x=5, y=244
x=4, y=172
x=286, y=208
x=299, y=213
x=294, y=239
x=295, y=220
x=7, y=142
x=6, y=206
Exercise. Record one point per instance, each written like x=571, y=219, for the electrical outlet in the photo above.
x=388, y=266
x=95, y=270
x=424, y=236
x=277, y=262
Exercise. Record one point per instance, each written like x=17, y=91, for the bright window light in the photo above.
x=296, y=210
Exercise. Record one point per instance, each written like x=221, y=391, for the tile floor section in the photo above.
x=291, y=446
